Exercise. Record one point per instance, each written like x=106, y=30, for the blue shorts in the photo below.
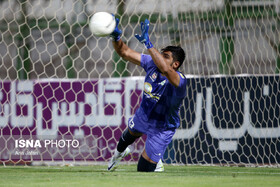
x=157, y=139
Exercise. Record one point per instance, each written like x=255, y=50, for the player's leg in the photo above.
x=155, y=147
x=122, y=150
x=145, y=164
x=126, y=139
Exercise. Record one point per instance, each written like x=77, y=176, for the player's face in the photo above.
x=168, y=57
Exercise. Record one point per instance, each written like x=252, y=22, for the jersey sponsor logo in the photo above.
x=155, y=97
x=148, y=92
x=148, y=87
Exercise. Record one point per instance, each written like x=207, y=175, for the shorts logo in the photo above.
x=131, y=123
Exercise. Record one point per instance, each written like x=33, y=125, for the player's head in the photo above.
x=178, y=54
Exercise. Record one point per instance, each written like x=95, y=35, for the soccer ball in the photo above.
x=102, y=24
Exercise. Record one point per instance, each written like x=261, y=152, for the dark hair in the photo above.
x=178, y=53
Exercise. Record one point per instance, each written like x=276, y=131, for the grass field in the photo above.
x=126, y=175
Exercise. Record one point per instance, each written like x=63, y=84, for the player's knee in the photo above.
x=145, y=166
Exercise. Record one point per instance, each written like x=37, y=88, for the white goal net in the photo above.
x=66, y=96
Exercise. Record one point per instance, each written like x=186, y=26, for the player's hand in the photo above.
x=144, y=38
x=116, y=34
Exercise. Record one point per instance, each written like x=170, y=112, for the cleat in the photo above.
x=117, y=157
x=160, y=167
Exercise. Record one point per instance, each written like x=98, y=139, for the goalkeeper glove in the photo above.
x=144, y=38
x=116, y=34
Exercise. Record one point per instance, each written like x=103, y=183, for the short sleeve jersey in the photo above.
x=161, y=100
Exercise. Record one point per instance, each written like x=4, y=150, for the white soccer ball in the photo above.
x=102, y=24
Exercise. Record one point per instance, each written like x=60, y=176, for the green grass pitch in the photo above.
x=126, y=175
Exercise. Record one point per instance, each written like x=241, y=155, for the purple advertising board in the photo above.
x=224, y=120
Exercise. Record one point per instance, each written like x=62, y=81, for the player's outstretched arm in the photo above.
x=157, y=57
x=122, y=49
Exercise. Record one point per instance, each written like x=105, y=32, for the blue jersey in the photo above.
x=161, y=100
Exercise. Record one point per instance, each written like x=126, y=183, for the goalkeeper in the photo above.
x=164, y=91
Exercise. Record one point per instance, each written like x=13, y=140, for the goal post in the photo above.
x=66, y=96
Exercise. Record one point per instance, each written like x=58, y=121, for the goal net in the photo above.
x=66, y=96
